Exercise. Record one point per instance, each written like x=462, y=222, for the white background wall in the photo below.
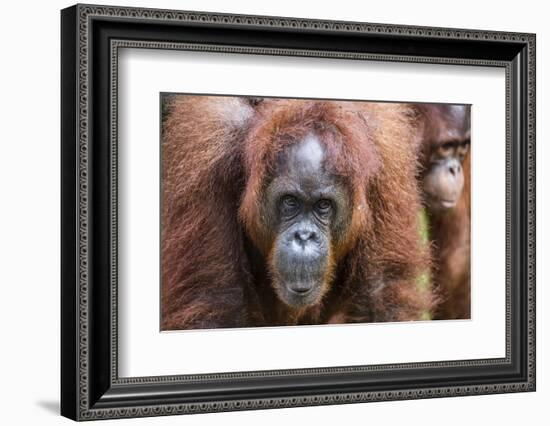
x=29, y=211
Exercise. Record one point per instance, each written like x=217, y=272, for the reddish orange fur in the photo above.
x=451, y=239
x=218, y=155
x=449, y=230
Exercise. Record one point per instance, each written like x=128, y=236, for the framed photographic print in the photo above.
x=263, y=212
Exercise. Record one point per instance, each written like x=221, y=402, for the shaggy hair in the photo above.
x=218, y=155
x=449, y=230
x=450, y=235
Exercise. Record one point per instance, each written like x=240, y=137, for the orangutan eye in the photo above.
x=463, y=149
x=289, y=205
x=446, y=149
x=323, y=206
x=290, y=201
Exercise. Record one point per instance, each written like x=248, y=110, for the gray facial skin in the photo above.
x=306, y=206
x=443, y=185
x=444, y=182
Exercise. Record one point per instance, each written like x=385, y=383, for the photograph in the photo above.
x=287, y=211
x=262, y=211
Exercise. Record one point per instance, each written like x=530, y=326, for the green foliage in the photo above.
x=424, y=281
x=423, y=226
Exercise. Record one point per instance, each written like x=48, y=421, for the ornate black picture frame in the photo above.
x=90, y=38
